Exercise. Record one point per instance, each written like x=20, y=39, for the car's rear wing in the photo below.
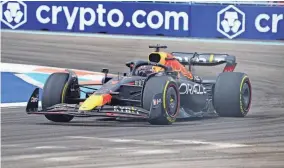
x=206, y=59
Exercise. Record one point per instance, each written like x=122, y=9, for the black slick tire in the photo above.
x=170, y=99
x=232, y=94
x=54, y=92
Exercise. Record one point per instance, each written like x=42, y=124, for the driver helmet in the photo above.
x=145, y=70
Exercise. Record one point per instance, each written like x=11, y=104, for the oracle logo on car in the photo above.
x=187, y=88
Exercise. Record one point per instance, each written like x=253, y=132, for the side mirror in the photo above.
x=130, y=65
x=105, y=70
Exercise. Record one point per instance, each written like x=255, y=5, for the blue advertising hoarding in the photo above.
x=106, y=17
x=140, y=18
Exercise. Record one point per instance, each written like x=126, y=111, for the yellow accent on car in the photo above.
x=64, y=93
x=164, y=96
x=211, y=57
x=170, y=119
x=163, y=56
x=92, y=102
x=162, y=60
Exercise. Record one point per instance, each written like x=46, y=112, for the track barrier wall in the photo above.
x=142, y=18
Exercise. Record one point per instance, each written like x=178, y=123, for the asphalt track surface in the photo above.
x=254, y=141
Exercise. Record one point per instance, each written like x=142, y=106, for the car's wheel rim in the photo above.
x=172, y=101
x=246, y=96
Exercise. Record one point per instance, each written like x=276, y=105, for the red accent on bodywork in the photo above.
x=110, y=114
x=229, y=68
x=106, y=98
x=131, y=83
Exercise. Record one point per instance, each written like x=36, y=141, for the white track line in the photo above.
x=153, y=151
x=15, y=105
x=25, y=68
x=64, y=159
x=165, y=142
x=50, y=147
x=18, y=68
x=216, y=144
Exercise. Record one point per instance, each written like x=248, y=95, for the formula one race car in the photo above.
x=159, y=90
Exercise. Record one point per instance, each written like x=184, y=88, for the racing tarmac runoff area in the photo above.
x=254, y=141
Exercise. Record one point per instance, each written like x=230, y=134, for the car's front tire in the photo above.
x=54, y=92
x=169, y=91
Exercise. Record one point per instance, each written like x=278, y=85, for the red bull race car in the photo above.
x=159, y=90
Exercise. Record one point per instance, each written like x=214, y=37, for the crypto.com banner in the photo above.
x=106, y=17
x=243, y=21
x=138, y=18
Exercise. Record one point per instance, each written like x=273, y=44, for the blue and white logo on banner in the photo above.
x=13, y=13
x=231, y=21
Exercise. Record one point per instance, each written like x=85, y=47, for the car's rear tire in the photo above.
x=169, y=90
x=232, y=94
x=54, y=92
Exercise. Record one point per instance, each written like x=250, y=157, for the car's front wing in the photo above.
x=104, y=111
